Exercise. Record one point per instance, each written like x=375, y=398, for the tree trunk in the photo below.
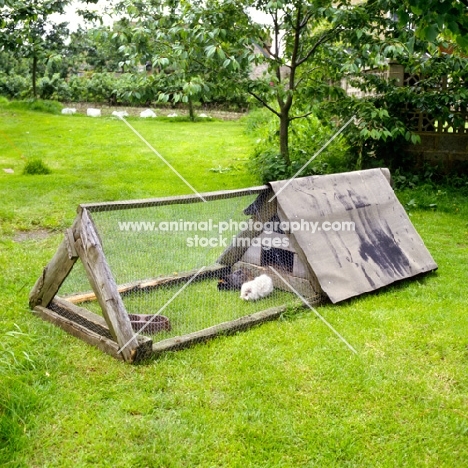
x=34, y=74
x=191, y=111
x=284, y=137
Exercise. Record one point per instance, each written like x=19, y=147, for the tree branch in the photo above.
x=309, y=72
x=301, y=116
x=264, y=103
x=320, y=41
x=305, y=21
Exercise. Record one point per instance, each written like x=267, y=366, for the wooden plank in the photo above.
x=81, y=315
x=180, y=342
x=181, y=199
x=103, y=284
x=79, y=298
x=53, y=275
x=69, y=237
x=153, y=283
x=79, y=331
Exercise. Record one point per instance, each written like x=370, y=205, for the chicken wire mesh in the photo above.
x=165, y=259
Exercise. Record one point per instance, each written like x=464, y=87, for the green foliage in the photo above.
x=36, y=167
x=308, y=136
x=28, y=30
x=383, y=114
x=433, y=18
x=53, y=87
x=100, y=87
x=135, y=89
x=14, y=86
x=186, y=47
x=96, y=49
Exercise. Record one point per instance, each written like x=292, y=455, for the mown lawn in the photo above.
x=284, y=394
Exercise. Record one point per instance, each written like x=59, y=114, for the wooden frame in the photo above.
x=113, y=332
x=82, y=241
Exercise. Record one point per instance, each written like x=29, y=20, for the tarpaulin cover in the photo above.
x=383, y=247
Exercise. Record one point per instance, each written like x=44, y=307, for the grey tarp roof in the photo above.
x=383, y=248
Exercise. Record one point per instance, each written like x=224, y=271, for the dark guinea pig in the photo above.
x=234, y=280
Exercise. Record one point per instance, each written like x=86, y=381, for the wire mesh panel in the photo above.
x=184, y=263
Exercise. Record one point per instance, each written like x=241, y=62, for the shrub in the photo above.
x=36, y=167
x=307, y=136
x=54, y=87
x=14, y=86
x=135, y=89
x=100, y=87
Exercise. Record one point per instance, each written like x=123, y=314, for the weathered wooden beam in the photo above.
x=81, y=315
x=53, y=275
x=154, y=283
x=79, y=331
x=70, y=239
x=103, y=284
x=233, y=326
x=78, y=328
x=182, y=199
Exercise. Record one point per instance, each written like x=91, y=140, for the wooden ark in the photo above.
x=112, y=332
x=383, y=247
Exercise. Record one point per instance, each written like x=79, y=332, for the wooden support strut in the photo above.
x=104, y=286
x=79, y=331
x=55, y=272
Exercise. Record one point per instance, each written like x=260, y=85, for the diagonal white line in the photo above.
x=162, y=308
x=315, y=311
x=161, y=157
x=313, y=157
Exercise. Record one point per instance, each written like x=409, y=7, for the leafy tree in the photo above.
x=98, y=48
x=317, y=44
x=184, y=44
x=307, y=48
x=27, y=29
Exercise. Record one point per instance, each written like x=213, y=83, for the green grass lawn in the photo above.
x=284, y=394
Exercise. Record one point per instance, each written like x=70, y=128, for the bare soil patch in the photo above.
x=36, y=234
